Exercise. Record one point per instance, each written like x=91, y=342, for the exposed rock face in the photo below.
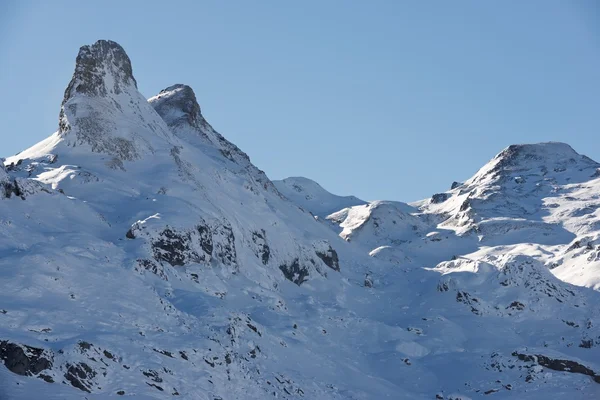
x=558, y=365
x=330, y=257
x=177, y=105
x=294, y=272
x=8, y=186
x=24, y=360
x=101, y=69
x=175, y=248
x=206, y=243
x=81, y=376
x=439, y=198
x=263, y=251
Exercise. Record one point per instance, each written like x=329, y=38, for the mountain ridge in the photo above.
x=312, y=197
x=144, y=255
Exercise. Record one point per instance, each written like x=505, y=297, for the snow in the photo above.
x=154, y=252
x=309, y=195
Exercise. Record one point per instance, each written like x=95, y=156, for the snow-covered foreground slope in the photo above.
x=144, y=255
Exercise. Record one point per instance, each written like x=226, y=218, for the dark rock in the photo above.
x=252, y=353
x=155, y=386
x=212, y=364
x=129, y=234
x=558, y=364
x=153, y=375
x=465, y=205
x=439, y=198
x=294, y=272
x=224, y=245
x=24, y=360
x=368, y=281
x=517, y=305
x=83, y=345
x=199, y=245
x=164, y=353
x=11, y=187
x=121, y=392
x=575, y=245
x=80, y=376
x=153, y=267
x=330, y=258
x=46, y=378
x=263, y=249
x=254, y=328
x=205, y=239
x=455, y=185
x=173, y=247
x=466, y=298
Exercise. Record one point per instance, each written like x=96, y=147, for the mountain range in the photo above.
x=143, y=255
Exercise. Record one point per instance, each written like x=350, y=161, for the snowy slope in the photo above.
x=144, y=255
x=311, y=196
x=541, y=195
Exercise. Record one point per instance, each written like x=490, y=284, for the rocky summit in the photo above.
x=143, y=255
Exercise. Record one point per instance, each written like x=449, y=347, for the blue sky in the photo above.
x=383, y=99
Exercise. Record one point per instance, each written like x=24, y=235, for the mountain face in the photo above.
x=543, y=197
x=144, y=255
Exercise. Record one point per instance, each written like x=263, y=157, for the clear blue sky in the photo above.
x=381, y=99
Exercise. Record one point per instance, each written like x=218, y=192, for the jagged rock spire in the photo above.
x=103, y=110
x=101, y=68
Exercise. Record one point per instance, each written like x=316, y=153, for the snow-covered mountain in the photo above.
x=537, y=195
x=311, y=196
x=144, y=255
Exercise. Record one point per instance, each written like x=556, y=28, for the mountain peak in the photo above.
x=103, y=110
x=100, y=69
x=541, y=157
x=538, y=151
x=177, y=104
